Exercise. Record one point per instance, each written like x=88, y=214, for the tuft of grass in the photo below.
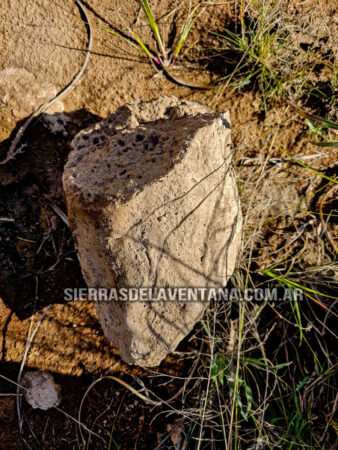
x=266, y=369
x=159, y=54
x=258, y=51
x=262, y=51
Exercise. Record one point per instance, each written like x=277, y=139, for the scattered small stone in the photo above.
x=42, y=392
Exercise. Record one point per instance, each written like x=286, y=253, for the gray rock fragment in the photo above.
x=153, y=202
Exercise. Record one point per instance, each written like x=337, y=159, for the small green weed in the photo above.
x=259, y=51
x=262, y=51
x=159, y=55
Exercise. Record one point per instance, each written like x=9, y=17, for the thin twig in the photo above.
x=124, y=384
x=58, y=211
x=29, y=343
x=10, y=395
x=55, y=407
x=14, y=150
x=323, y=222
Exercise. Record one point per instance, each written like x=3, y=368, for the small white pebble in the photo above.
x=41, y=390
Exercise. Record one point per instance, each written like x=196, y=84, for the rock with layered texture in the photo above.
x=152, y=202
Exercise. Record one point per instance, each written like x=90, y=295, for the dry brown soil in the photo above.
x=48, y=39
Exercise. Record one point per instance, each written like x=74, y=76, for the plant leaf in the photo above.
x=333, y=144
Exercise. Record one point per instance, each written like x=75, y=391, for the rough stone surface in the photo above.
x=20, y=95
x=41, y=390
x=152, y=202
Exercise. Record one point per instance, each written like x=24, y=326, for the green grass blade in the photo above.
x=312, y=128
x=326, y=123
x=153, y=25
x=139, y=43
x=186, y=30
x=326, y=144
x=292, y=283
x=120, y=35
x=309, y=168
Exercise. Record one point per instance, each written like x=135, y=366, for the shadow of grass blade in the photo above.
x=135, y=41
